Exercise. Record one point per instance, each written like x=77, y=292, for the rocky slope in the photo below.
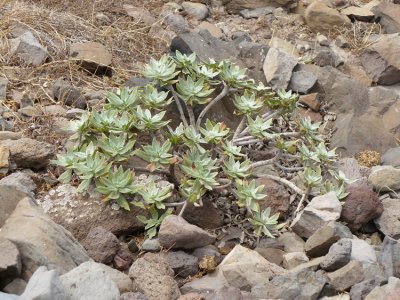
x=58, y=59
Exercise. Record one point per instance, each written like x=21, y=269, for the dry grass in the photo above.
x=59, y=23
x=368, y=158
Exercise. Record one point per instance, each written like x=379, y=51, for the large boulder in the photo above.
x=40, y=241
x=321, y=18
x=381, y=60
x=389, y=14
x=78, y=213
x=9, y=199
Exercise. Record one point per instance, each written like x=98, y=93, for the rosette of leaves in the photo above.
x=125, y=99
x=162, y=71
x=154, y=196
x=248, y=193
x=116, y=185
x=236, y=169
x=153, y=99
x=118, y=147
x=264, y=223
x=194, y=91
x=149, y=121
x=154, y=221
x=248, y=103
x=156, y=154
x=259, y=128
x=214, y=132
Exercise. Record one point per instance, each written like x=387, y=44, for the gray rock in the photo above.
x=389, y=257
x=338, y=256
x=137, y=81
x=387, y=291
x=29, y=153
x=3, y=87
x=151, y=245
x=384, y=178
x=21, y=181
x=197, y=10
x=122, y=281
x=347, y=276
x=4, y=296
x=322, y=18
x=389, y=16
x=256, y=12
x=242, y=268
x=183, y=264
x=65, y=93
x=341, y=42
x=381, y=60
x=9, y=199
x=44, y=285
x=322, y=40
x=176, y=233
x=132, y=246
x=327, y=57
x=319, y=243
x=10, y=260
x=292, y=242
x=362, y=251
x=271, y=250
x=40, y=241
x=318, y=212
x=177, y=23
x=28, y=48
x=389, y=221
x=209, y=251
x=302, y=285
x=133, y=296
x=293, y=259
x=360, y=290
x=351, y=168
x=391, y=157
x=278, y=67
x=92, y=56
x=302, y=82
x=154, y=277
x=312, y=265
x=101, y=245
x=17, y=286
x=89, y=281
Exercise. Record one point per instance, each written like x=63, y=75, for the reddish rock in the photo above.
x=277, y=196
x=101, y=245
x=122, y=260
x=361, y=206
x=311, y=100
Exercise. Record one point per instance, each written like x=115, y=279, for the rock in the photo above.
x=92, y=56
x=389, y=14
x=197, y=10
x=301, y=285
x=10, y=260
x=391, y=157
x=358, y=13
x=89, y=281
x=79, y=213
x=271, y=250
x=21, y=181
x=28, y=49
x=388, y=291
x=176, y=233
x=293, y=259
x=192, y=296
x=133, y=296
x=338, y=256
x=17, y=287
x=319, y=243
x=207, y=252
x=5, y=296
x=351, y=169
x=139, y=14
x=252, y=55
x=360, y=290
x=284, y=45
x=342, y=42
x=256, y=12
x=123, y=259
x=242, y=268
x=277, y=196
x=4, y=159
x=40, y=241
x=29, y=112
x=154, y=278
x=318, y=212
x=9, y=135
x=9, y=199
x=347, y=276
x=362, y=251
x=3, y=88
x=322, y=40
x=278, y=67
x=211, y=28
x=389, y=257
x=311, y=100
x=122, y=281
x=44, y=284
x=151, y=245
x=54, y=110
x=381, y=60
x=384, y=178
x=361, y=206
x=183, y=264
x=327, y=57
x=29, y=153
x=133, y=247
x=292, y=242
x=321, y=18
x=388, y=223
x=235, y=6
x=177, y=23
x=206, y=216
x=302, y=82
x=64, y=92
x=312, y=265
x=101, y=245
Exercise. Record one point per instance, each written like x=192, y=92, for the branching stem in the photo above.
x=179, y=105
x=240, y=127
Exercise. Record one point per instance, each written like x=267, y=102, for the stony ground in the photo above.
x=341, y=56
